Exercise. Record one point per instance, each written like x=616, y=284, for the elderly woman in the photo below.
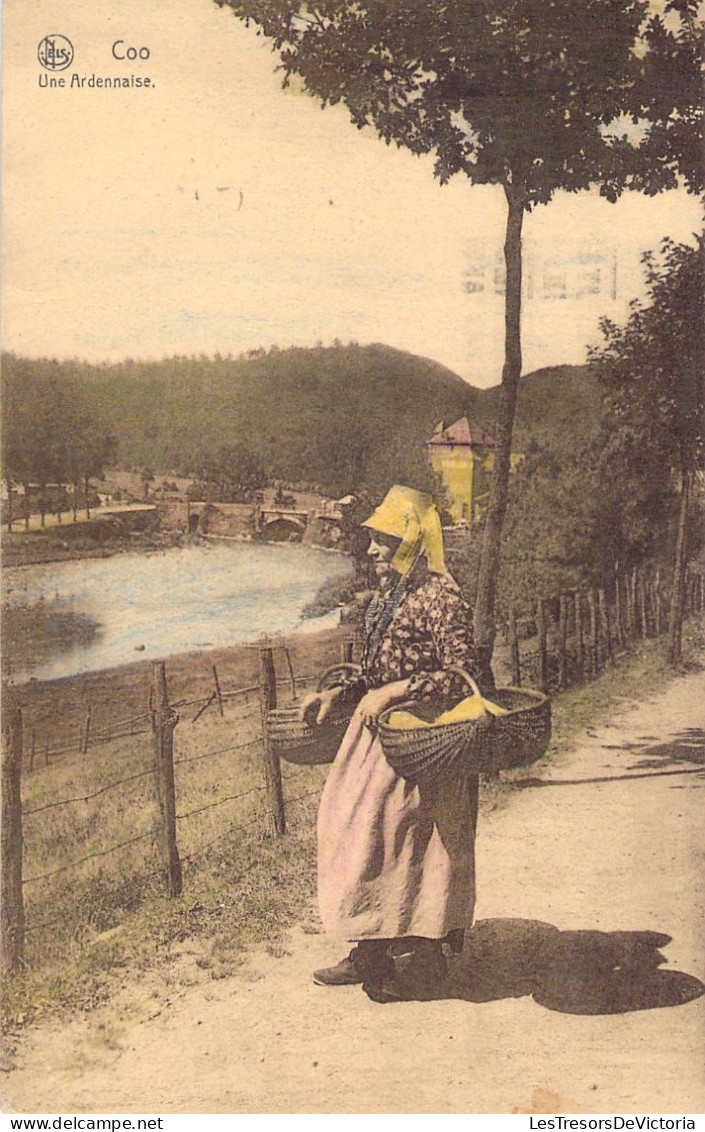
x=396, y=861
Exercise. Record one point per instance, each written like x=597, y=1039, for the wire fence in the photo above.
x=572, y=636
x=65, y=844
x=80, y=734
x=66, y=822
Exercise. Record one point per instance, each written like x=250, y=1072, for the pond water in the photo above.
x=144, y=606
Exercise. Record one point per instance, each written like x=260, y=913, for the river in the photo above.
x=93, y=614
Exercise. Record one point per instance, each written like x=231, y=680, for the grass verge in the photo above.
x=240, y=892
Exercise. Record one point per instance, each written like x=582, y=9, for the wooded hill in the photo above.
x=342, y=418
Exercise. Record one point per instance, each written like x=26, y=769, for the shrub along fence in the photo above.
x=570, y=637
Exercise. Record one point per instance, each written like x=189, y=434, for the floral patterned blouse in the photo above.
x=429, y=630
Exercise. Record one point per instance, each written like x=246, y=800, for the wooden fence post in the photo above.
x=346, y=651
x=542, y=673
x=579, y=639
x=218, y=693
x=272, y=765
x=203, y=707
x=632, y=584
x=32, y=751
x=594, y=634
x=562, y=639
x=11, y=903
x=618, y=615
x=643, y=615
x=165, y=720
x=605, y=624
x=658, y=605
x=514, y=648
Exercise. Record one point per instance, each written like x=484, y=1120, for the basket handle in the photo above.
x=329, y=677
x=469, y=680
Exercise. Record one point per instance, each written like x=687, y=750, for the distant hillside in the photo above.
x=343, y=418
x=559, y=403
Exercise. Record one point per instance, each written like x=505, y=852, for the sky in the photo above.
x=214, y=212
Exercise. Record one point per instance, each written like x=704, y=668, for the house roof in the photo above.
x=462, y=433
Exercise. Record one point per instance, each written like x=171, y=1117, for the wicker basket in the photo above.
x=479, y=745
x=297, y=741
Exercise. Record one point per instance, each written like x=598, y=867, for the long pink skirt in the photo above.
x=393, y=859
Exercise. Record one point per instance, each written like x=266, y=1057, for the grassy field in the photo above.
x=97, y=925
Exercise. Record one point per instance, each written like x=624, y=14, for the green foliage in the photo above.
x=652, y=368
x=344, y=419
x=671, y=92
x=573, y=517
x=527, y=95
x=579, y=506
x=298, y=412
x=231, y=474
x=653, y=371
x=52, y=432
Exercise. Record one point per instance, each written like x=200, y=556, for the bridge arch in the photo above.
x=282, y=528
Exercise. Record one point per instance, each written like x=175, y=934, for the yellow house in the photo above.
x=463, y=456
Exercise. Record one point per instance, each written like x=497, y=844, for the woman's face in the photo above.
x=381, y=550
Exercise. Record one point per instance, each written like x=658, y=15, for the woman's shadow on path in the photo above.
x=574, y=972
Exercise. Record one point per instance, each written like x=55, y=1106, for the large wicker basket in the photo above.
x=311, y=744
x=476, y=746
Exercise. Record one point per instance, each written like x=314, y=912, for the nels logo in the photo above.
x=55, y=52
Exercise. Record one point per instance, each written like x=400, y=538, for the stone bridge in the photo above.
x=282, y=516
x=317, y=527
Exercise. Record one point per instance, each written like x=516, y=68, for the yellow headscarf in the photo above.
x=412, y=517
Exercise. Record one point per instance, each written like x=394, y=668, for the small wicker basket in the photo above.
x=297, y=741
x=476, y=746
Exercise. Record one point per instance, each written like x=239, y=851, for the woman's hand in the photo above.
x=316, y=706
x=374, y=702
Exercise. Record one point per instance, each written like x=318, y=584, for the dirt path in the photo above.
x=572, y=876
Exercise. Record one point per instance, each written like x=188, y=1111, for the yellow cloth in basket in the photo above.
x=472, y=707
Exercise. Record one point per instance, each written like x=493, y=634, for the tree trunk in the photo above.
x=511, y=372
x=675, y=620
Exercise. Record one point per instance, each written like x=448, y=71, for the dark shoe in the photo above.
x=344, y=974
